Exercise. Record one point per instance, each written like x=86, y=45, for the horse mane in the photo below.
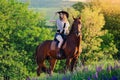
x=71, y=29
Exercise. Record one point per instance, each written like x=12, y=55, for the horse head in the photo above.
x=76, y=26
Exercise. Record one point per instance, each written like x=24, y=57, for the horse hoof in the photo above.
x=38, y=74
x=50, y=73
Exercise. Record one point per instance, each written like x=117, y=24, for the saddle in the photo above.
x=54, y=45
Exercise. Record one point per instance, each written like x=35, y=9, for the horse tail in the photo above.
x=41, y=52
x=35, y=55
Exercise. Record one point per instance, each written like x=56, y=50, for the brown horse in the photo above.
x=72, y=50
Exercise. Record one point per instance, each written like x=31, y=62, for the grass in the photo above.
x=104, y=70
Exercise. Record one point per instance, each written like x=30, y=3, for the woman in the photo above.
x=62, y=29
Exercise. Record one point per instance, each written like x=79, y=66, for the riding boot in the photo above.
x=58, y=53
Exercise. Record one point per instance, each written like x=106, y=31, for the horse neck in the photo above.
x=74, y=39
x=72, y=36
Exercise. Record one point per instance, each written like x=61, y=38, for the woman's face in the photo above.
x=62, y=16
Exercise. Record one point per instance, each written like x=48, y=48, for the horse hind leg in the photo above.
x=52, y=66
x=39, y=70
x=44, y=68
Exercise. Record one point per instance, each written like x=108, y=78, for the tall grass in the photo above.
x=104, y=70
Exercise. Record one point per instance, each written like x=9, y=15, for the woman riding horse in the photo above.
x=62, y=29
x=71, y=51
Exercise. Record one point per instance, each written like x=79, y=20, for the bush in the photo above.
x=21, y=30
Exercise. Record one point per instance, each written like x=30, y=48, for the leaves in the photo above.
x=20, y=32
x=111, y=11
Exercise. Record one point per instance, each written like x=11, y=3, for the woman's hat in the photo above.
x=64, y=12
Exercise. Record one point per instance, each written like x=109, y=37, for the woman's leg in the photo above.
x=60, y=39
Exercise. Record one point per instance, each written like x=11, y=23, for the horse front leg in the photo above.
x=68, y=60
x=52, y=66
x=73, y=62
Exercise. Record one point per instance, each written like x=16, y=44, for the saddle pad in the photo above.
x=53, y=45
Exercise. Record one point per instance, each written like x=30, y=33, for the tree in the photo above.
x=111, y=11
x=108, y=46
x=21, y=30
x=92, y=23
x=79, y=6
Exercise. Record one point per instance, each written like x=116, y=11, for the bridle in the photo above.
x=77, y=32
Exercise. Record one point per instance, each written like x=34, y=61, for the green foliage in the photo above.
x=111, y=11
x=91, y=29
x=11, y=65
x=113, y=25
x=72, y=13
x=107, y=46
x=79, y=6
x=21, y=30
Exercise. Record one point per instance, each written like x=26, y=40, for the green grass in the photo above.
x=110, y=71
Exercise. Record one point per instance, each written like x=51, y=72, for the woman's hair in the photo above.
x=60, y=17
x=64, y=17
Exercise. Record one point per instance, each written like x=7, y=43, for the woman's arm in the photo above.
x=58, y=26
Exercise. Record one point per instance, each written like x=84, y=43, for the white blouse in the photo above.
x=60, y=25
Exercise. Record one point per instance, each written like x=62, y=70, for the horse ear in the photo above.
x=79, y=17
x=73, y=17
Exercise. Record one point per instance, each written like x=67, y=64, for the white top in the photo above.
x=60, y=25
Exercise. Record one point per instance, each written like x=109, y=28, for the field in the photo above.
x=47, y=13
x=103, y=70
